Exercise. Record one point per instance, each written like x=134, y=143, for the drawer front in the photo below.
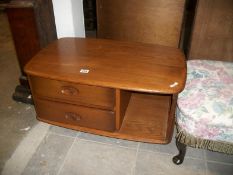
x=75, y=115
x=74, y=93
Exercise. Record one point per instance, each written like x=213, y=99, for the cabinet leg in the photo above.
x=22, y=92
x=178, y=159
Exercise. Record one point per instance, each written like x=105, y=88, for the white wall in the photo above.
x=69, y=18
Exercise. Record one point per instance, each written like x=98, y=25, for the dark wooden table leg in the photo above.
x=26, y=40
x=32, y=26
x=178, y=159
x=22, y=91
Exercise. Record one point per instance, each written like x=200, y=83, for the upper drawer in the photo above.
x=74, y=93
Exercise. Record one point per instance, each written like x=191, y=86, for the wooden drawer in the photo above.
x=75, y=115
x=74, y=93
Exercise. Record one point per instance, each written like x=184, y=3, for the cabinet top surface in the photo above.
x=115, y=64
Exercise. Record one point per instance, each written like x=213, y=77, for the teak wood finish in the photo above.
x=129, y=92
x=74, y=93
x=212, y=36
x=147, y=21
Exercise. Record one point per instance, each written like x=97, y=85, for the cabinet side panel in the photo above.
x=148, y=21
x=45, y=21
x=171, y=117
x=24, y=31
x=212, y=36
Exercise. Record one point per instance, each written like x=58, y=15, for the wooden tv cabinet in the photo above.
x=112, y=88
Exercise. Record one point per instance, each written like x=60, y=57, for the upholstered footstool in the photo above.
x=204, y=115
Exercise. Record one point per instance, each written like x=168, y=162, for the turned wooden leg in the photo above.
x=178, y=159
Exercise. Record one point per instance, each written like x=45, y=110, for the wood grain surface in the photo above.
x=146, y=119
x=147, y=21
x=212, y=36
x=24, y=30
x=113, y=88
x=122, y=101
x=75, y=115
x=115, y=64
x=73, y=93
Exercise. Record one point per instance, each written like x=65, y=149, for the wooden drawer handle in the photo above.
x=69, y=90
x=72, y=116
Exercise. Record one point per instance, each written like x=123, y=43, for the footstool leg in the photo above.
x=178, y=159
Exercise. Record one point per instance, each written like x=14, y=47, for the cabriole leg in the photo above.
x=178, y=159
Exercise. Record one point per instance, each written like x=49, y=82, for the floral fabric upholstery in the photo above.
x=205, y=106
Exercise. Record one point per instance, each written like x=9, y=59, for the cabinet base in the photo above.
x=146, y=120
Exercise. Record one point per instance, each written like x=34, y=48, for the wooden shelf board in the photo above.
x=146, y=116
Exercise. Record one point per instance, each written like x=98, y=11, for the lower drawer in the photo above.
x=75, y=115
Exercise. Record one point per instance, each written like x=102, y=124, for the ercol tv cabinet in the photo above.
x=112, y=88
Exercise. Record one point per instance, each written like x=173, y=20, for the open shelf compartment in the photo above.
x=146, y=117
